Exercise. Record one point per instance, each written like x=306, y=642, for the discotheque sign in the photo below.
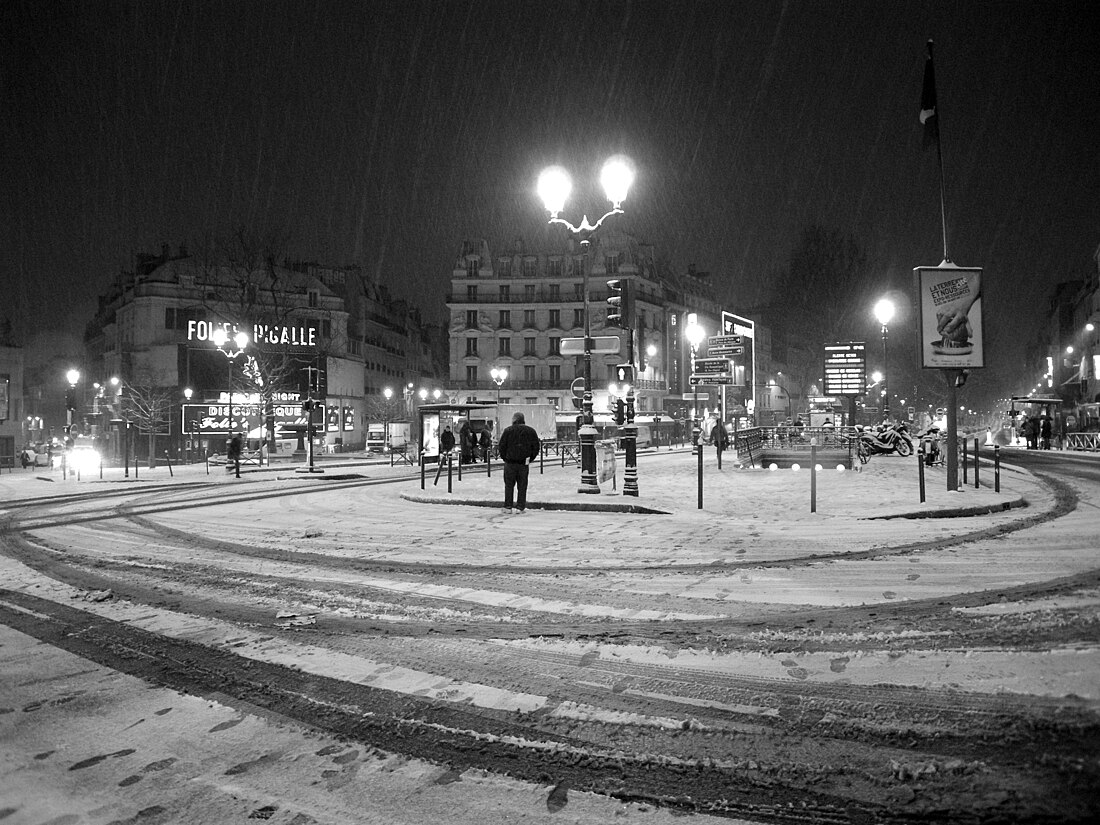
x=275, y=334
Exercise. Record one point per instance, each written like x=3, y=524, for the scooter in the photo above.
x=930, y=445
x=891, y=439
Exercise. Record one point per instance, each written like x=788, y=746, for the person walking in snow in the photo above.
x=519, y=446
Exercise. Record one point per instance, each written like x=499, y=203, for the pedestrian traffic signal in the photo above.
x=309, y=405
x=624, y=374
x=620, y=411
x=616, y=303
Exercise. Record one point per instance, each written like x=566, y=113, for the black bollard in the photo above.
x=996, y=468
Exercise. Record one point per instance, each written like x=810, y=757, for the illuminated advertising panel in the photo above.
x=846, y=368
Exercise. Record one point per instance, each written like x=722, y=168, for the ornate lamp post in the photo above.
x=499, y=376
x=388, y=393
x=186, y=436
x=226, y=345
x=554, y=186
x=884, y=312
x=695, y=334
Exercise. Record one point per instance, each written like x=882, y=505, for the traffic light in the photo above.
x=624, y=374
x=620, y=411
x=70, y=398
x=309, y=405
x=616, y=303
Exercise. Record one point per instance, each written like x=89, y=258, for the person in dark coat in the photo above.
x=1044, y=432
x=446, y=443
x=486, y=443
x=519, y=446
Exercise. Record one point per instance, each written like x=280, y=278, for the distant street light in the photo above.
x=499, y=376
x=884, y=312
x=554, y=185
x=225, y=345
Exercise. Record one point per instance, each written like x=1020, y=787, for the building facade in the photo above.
x=524, y=310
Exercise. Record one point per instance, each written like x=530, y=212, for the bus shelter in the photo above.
x=467, y=421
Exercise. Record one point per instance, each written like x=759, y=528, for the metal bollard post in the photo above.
x=450, y=458
x=920, y=474
x=964, y=460
x=421, y=472
x=450, y=466
x=699, y=452
x=168, y=459
x=976, y=462
x=813, y=478
x=996, y=468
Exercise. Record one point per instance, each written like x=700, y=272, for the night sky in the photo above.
x=384, y=133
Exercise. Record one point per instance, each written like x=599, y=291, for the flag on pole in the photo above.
x=928, y=102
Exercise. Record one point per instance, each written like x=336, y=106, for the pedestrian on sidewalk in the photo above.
x=446, y=443
x=519, y=446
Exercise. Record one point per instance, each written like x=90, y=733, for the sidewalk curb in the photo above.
x=956, y=512
x=594, y=507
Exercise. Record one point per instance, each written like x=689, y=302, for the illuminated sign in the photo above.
x=846, y=368
x=276, y=334
x=222, y=419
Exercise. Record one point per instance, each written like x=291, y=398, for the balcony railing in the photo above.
x=561, y=386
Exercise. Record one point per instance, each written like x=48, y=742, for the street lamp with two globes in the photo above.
x=554, y=186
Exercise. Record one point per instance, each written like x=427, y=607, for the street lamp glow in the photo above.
x=616, y=178
x=884, y=311
x=1089, y=327
x=554, y=187
x=388, y=392
x=876, y=376
x=651, y=350
x=72, y=376
x=694, y=331
x=1069, y=350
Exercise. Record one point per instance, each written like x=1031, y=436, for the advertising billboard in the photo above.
x=950, y=302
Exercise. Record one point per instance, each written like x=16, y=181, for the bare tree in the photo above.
x=148, y=406
x=244, y=285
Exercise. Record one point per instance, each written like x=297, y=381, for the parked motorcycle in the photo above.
x=893, y=438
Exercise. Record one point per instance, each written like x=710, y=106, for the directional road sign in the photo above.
x=710, y=366
x=577, y=387
x=724, y=378
x=725, y=345
x=599, y=345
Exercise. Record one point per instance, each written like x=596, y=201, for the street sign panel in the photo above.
x=577, y=387
x=725, y=345
x=715, y=379
x=600, y=345
x=710, y=366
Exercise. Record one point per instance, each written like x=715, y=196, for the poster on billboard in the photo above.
x=950, y=302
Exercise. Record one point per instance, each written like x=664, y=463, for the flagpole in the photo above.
x=939, y=155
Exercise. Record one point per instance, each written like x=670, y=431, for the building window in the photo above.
x=529, y=293
x=555, y=373
x=505, y=346
x=472, y=267
x=578, y=292
x=505, y=319
x=530, y=267
x=471, y=319
x=314, y=298
x=471, y=374
x=528, y=372
x=553, y=267
x=529, y=318
x=555, y=292
x=471, y=346
x=505, y=293
x=504, y=267
x=529, y=345
x=578, y=365
x=531, y=400
x=555, y=345
x=578, y=267
x=578, y=318
x=471, y=292
x=555, y=319
x=326, y=328
x=611, y=264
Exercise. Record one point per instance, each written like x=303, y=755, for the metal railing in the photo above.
x=1082, y=441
